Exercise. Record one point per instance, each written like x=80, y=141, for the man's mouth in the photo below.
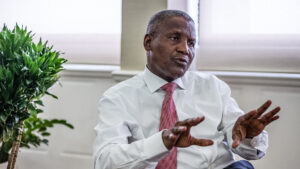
x=182, y=61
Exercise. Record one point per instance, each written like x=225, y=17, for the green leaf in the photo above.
x=45, y=134
x=45, y=141
x=39, y=102
x=3, y=117
x=27, y=71
x=52, y=95
x=39, y=111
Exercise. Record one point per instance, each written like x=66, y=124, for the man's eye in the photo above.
x=174, y=38
x=191, y=43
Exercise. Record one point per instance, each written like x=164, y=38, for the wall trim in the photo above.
x=252, y=78
x=85, y=70
x=258, y=78
x=121, y=75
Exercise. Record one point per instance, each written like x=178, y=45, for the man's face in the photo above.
x=171, y=51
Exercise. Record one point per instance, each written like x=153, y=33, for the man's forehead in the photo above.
x=177, y=19
x=177, y=25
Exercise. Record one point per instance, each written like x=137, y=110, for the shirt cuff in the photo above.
x=260, y=142
x=154, y=147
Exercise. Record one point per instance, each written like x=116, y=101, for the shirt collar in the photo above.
x=155, y=82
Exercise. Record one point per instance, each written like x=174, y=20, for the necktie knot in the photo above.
x=169, y=87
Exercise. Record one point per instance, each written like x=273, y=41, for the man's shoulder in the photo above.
x=204, y=80
x=198, y=76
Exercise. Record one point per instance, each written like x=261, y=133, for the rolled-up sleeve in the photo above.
x=120, y=142
x=250, y=149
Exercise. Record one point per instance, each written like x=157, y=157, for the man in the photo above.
x=156, y=119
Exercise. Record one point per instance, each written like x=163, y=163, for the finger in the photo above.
x=271, y=120
x=250, y=115
x=178, y=129
x=263, y=108
x=196, y=121
x=169, y=138
x=190, y=121
x=236, y=143
x=172, y=137
x=201, y=142
x=236, y=137
x=269, y=115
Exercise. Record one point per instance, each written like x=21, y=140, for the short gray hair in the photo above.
x=157, y=19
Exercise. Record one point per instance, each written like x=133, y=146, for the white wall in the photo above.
x=70, y=149
x=250, y=93
x=81, y=90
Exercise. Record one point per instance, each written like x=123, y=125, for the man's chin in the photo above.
x=178, y=73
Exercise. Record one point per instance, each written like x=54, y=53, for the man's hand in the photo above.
x=253, y=123
x=180, y=136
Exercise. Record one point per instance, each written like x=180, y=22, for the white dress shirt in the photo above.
x=128, y=136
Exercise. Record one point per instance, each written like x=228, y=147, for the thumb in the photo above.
x=236, y=142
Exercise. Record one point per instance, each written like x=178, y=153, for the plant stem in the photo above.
x=14, y=152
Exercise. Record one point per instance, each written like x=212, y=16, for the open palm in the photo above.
x=253, y=123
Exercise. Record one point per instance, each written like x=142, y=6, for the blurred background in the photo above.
x=253, y=45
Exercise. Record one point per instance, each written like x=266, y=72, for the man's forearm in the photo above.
x=142, y=153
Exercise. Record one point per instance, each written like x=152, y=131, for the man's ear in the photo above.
x=147, y=42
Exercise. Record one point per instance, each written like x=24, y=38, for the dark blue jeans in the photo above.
x=243, y=164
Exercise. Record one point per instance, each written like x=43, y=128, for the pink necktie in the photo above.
x=167, y=120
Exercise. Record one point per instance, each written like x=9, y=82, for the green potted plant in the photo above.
x=27, y=71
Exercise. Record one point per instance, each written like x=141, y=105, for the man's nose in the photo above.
x=183, y=47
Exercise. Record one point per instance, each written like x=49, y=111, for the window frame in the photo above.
x=247, y=53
